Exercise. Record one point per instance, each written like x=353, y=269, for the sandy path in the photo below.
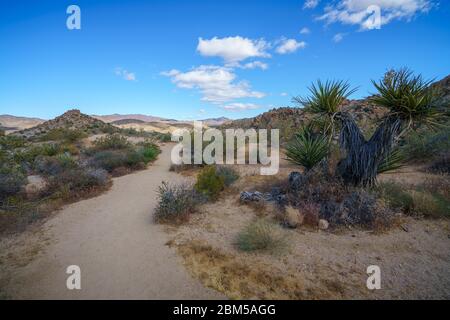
x=121, y=252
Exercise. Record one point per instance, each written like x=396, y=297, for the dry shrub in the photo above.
x=311, y=213
x=261, y=235
x=176, y=203
x=428, y=204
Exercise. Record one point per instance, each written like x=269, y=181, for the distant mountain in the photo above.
x=215, y=121
x=72, y=119
x=127, y=121
x=117, y=117
x=11, y=123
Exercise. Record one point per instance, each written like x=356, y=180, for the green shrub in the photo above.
x=396, y=196
x=149, y=151
x=112, y=159
x=11, y=181
x=11, y=142
x=228, y=174
x=112, y=142
x=175, y=203
x=260, y=235
x=425, y=144
x=78, y=179
x=209, y=183
x=61, y=134
x=428, y=204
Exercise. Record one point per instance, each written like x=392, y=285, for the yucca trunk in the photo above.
x=360, y=166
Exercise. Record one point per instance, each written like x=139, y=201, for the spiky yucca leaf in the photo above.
x=325, y=102
x=408, y=97
x=307, y=149
x=394, y=160
x=326, y=98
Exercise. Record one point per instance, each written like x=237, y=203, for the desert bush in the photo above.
x=423, y=145
x=112, y=142
x=362, y=208
x=261, y=235
x=396, y=195
x=228, y=174
x=112, y=159
x=29, y=154
x=209, y=183
x=149, y=151
x=441, y=164
x=62, y=134
x=11, y=181
x=11, y=142
x=175, y=203
x=78, y=179
x=310, y=212
x=47, y=165
x=428, y=204
x=54, y=165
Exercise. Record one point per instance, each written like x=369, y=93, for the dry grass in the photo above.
x=239, y=280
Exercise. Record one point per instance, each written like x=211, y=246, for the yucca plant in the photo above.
x=410, y=101
x=394, y=160
x=307, y=148
x=325, y=102
x=408, y=97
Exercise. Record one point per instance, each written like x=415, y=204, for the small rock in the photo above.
x=323, y=224
x=293, y=218
x=36, y=184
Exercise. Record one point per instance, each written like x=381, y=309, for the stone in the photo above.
x=323, y=224
x=36, y=184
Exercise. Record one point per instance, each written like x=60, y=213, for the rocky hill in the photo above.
x=72, y=119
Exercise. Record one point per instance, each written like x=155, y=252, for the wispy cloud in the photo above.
x=125, y=74
x=289, y=46
x=305, y=30
x=240, y=106
x=360, y=12
x=310, y=4
x=338, y=37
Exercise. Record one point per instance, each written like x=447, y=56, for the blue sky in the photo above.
x=200, y=59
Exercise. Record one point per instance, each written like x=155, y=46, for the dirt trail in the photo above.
x=121, y=252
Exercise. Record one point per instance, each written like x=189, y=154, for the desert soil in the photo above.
x=112, y=238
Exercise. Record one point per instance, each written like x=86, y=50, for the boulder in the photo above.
x=36, y=184
x=323, y=224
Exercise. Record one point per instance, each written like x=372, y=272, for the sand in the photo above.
x=122, y=253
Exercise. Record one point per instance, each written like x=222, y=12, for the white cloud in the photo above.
x=338, y=37
x=126, y=75
x=305, y=30
x=216, y=83
x=283, y=94
x=355, y=12
x=290, y=46
x=238, y=106
x=310, y=4
x=254, y=65
x=233, y=49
